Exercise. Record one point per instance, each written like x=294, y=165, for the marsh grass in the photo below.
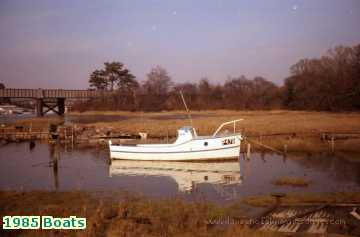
x=296, y=198
x=255, y=122
x=295, y=130
x=127, y=216
x=38, y=123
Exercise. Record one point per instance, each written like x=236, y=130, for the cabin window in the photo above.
x=228, y=178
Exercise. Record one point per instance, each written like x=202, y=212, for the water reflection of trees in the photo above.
x=336, y=165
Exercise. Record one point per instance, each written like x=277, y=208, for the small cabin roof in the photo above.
x=186, y=128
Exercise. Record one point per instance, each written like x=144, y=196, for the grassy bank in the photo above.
x=283, y=130
x=307, y=198
x=255, y=122
x=129, y=216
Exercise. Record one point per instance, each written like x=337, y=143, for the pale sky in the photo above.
x=57, y=44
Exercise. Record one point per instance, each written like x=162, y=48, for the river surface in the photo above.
x=55, y=167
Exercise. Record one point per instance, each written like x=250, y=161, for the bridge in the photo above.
x=51, y=99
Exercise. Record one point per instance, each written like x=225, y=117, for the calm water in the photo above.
x=52, y=167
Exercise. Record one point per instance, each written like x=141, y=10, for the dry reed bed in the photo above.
x=130, y=216
x=295, y=198
x=255, y=122
x=284, y=130
x=298, y=131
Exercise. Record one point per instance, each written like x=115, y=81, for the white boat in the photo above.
x=186, y=174
x=187, y=147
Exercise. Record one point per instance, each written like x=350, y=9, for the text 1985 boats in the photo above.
x=187, y=147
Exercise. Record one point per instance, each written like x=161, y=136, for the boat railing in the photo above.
x=227, y=123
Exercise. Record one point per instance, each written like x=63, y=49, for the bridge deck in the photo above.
x=48, y=93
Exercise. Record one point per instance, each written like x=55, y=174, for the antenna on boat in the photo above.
x=187, y=110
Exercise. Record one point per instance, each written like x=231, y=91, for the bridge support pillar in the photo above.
x=61, y=106
x=39, y=108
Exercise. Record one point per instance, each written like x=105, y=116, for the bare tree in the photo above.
x=326, y=83
x=158, y=81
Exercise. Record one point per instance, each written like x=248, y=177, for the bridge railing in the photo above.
x=55, y=93
x=48, y=93
x=11, y=92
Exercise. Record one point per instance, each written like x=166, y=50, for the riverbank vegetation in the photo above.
x=255, y=123
x=328, y=83
x=131, y=215
x=291, y=131
x=304, y=198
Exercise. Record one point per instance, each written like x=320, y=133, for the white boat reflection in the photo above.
x=186, y=174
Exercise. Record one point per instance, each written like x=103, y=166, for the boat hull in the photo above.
x=194, y=150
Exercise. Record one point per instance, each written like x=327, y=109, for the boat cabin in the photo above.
x=186, y=133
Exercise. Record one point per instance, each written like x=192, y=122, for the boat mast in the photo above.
x=187, y=110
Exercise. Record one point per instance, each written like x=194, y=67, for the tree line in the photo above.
x=330, y=83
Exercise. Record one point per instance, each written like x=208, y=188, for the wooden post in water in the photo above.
x=65, y=139
x=248, y=151
x=285, y=148
x=332, y=144
x=73, y=135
